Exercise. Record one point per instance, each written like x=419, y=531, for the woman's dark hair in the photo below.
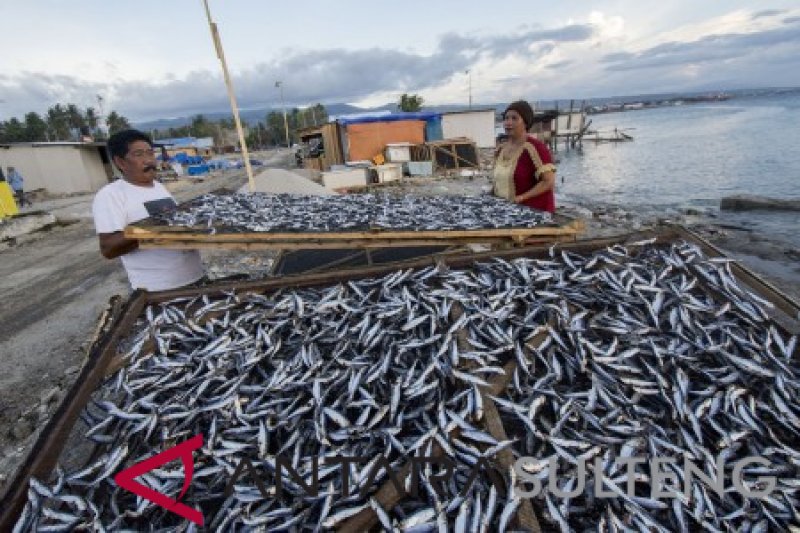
x=525, y=111
x=119, y=142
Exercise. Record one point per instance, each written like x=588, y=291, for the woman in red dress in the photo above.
x=524, y=172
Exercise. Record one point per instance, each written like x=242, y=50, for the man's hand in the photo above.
x=115, y=244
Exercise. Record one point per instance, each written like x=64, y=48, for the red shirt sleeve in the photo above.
x=525, y=177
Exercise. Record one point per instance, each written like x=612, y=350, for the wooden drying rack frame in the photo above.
x=118, y=323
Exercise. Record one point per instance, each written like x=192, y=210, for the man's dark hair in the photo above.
x=119, y=142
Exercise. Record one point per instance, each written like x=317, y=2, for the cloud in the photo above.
x=557, y=62
x=26, y=92
x=560, y=64
x=327, y=76
x=707, y=49
x=768, y=13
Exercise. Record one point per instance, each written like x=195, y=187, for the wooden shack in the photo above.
x=322, y=146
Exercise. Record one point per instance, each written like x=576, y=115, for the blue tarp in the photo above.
x=194, y=170
x=394, y=117
x=184, y=159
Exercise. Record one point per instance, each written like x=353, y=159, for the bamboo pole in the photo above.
x=234, y=107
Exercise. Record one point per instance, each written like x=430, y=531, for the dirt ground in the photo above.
x=55, y=285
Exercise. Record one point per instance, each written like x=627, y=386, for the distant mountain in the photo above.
x=259, y=115
x=247, y=115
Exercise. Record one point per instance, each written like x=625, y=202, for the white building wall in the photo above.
x=59, y=169
x=475, y=125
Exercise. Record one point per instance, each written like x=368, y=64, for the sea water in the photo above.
x=691, y=156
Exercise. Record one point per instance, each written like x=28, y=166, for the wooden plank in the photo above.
x=192, y=245
x=44, y=455
x=525, y=516
x=133, y=232
x=451, y=151
x=259, y=241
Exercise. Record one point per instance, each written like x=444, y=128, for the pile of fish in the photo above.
x=651, y=351
x=664, y=358
x=259, y=212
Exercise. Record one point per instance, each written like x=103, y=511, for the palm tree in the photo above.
x=57, y=123
x=35, y=127
x=75, y=117
x=116, y=122
x=91, y=118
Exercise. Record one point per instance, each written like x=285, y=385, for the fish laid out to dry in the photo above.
x=639, y=351
x=259, y=212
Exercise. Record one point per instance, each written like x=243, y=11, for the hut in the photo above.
x=59, y=167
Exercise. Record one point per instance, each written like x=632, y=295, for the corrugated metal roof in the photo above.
x=44, y=144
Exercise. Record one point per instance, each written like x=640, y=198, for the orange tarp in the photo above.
x=368, y=139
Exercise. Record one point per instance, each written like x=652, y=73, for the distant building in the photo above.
x=59, y=167
x=475, y=124
x=202, y=146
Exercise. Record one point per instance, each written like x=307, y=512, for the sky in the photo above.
x=155, y=59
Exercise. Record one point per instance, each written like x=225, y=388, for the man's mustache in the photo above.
x=150, y=167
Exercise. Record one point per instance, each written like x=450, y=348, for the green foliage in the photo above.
x=275, y=128
x=35, y=127
x=410, y=102
x=64, y=123
x=116, y=122
x=60, y=123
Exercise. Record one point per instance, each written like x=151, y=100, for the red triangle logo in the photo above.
x=126, y=478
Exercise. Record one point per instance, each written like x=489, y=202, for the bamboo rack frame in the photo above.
x=182, y=238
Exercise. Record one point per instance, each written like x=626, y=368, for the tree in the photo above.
x=257, y=136
x=275, y=128
x=75, y=117
x=92, y=121
x=116, y=122
x=410, y=102
x=58, y=123
x=13, y=131
x=35, y=128
x=312, y=116
x=202, y=127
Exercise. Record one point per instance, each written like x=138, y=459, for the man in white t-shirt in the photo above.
x=135, y=197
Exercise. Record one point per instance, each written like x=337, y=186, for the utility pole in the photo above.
x=285, y=122
x=469, y=73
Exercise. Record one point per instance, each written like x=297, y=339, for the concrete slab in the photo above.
x=18, y=225
x=279, y=181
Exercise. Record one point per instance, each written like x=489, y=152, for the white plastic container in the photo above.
x=344, y=178
x=398, y=152
x=389, y=172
